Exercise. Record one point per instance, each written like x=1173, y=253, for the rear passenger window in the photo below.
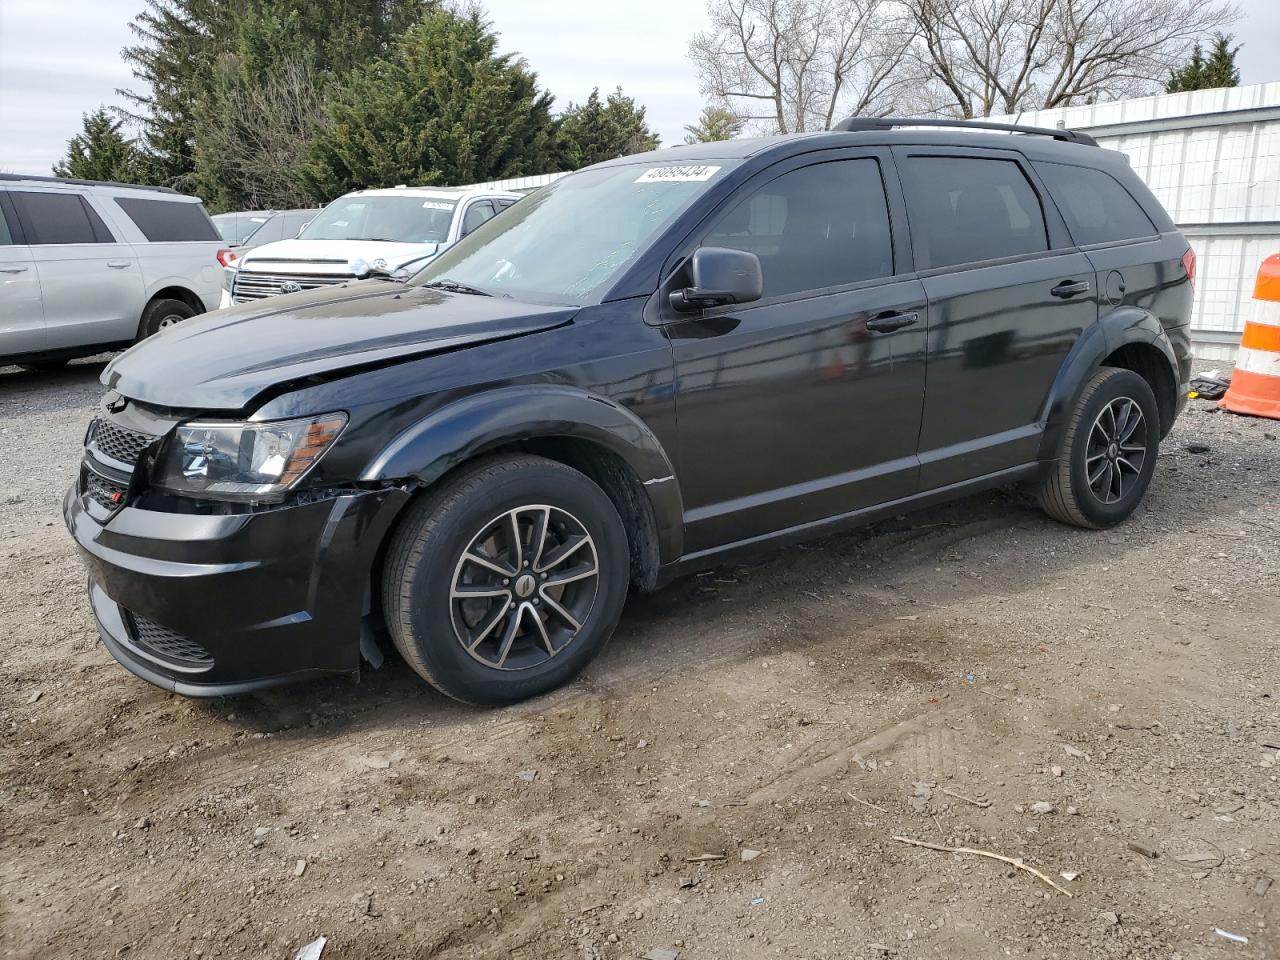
x=825, y=225
x=6, y=238
x=1096, y=207
x=964, y=210
x=169, y=221
x=59, y=218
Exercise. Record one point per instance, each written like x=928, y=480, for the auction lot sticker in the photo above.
x=681, y=174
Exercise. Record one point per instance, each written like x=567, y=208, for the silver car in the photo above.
x=87, y=266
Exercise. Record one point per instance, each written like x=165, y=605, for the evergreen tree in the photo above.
x=1207, y=73
x=595, y=131
x=443, y=108
x=101, y=152
x=180, y=60
x=716, y=123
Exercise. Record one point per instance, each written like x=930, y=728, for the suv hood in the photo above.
x=331, y=256
x=223, y=360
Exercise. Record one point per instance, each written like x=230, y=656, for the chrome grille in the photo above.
x=168, y=644
x=114, y=441
x=251, y=285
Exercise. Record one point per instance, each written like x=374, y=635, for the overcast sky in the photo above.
x=61, y=58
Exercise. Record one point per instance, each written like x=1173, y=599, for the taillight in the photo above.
x=227, y=257
x=1189, y=265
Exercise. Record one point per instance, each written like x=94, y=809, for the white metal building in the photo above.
x=1213, y=159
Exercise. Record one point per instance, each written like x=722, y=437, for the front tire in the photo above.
x=1108, y=454
x=507, y=580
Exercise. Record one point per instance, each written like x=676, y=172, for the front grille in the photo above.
x=105, y=493
x=114, y=441
x=250, y=285
x=168, y=644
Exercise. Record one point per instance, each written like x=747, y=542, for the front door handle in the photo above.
x=1070, y=288
x=888, y=322
x=13, y=269
x=118, y=264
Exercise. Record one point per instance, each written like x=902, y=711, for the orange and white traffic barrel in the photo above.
x=1255, y=385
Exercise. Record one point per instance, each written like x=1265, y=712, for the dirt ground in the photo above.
x=1107, y=702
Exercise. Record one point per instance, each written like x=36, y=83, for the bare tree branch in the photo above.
x=813, y=60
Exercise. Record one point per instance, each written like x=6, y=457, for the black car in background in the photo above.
x=644, y=369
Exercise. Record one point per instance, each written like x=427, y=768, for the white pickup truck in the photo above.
x=400, y=228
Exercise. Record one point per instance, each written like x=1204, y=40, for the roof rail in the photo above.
x=19, y=177
x=889, y=123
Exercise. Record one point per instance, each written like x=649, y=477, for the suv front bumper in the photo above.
x=209, y=606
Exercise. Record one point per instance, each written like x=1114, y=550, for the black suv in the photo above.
x=639, y=371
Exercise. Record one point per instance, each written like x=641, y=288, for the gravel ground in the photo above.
x=726, y=781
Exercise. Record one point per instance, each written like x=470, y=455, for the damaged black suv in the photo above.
x=640, y=370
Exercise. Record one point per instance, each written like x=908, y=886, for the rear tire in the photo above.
x=507, y=580
x=1108, y=453
x=161, y=314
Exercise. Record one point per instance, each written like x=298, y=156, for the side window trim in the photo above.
x=899, y=248
x=1058, y=238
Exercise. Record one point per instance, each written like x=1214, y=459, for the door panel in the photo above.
x=1008, y=295
x=997, y=337
x=21, y=312
x=794, y=412
x=92, y=286
x=793, y=409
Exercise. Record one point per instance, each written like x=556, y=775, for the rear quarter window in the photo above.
x=168, y=221
x=1096, y=206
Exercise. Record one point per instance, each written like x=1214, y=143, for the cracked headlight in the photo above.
x=244, y=461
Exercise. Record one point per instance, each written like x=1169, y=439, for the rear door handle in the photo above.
x=118, y=264
x=1070, y=288
x=888, y=322
x=13, y=269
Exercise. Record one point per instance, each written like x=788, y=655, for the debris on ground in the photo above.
x=662, y=953
x=1234, y=937
x=704, y=858
x=312, y=950
x=748, y=855
x=1143, y=850
x=1015, y=862
x=1210, y=385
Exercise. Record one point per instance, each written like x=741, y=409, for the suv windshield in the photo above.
x=569, y=241
x=404, y=219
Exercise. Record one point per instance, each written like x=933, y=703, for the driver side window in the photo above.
x=816, y=227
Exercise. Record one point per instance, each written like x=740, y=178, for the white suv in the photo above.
x=396, y=229
x=87, y=266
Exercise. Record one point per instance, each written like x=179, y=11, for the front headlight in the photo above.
x=244, y=461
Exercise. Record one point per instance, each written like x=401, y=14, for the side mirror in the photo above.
x=720, y=276
x=301, y=228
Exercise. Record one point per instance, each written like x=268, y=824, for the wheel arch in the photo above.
x=1130, y=338
x=176, y=292
x=591, y=434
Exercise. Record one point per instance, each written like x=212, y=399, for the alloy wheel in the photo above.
x=524, y=587
x=170, y=320
x=1117, y=449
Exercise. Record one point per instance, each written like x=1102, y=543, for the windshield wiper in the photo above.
x=454, y=286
